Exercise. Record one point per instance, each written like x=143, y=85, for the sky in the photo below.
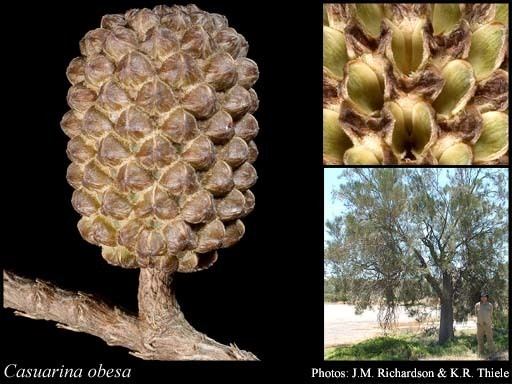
x=331, y=208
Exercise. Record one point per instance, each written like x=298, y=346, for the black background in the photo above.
x=265, y=293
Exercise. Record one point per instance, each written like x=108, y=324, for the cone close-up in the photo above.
x=161, y=137
x=161, y=132
x=415, y=84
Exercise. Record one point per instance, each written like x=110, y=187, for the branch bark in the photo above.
x=428, y=276
x=77, y=312
x=428, y=243
x=160, y=332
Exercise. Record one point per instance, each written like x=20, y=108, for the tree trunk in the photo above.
x=446, y=321
x=159, y=332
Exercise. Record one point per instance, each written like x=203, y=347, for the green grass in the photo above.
x=412, y=347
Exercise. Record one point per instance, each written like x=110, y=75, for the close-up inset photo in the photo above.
x=416, y=264
x=415, y=84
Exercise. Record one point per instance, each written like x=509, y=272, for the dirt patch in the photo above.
x=343, y=327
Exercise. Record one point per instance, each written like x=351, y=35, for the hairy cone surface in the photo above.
x=161, y=137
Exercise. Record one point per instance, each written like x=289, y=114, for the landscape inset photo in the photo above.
x=416, y=264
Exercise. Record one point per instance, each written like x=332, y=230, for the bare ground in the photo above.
x=343, y=327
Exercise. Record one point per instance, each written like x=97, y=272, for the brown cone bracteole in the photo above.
x=162, y=137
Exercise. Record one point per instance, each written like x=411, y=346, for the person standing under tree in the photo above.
x=483, y=311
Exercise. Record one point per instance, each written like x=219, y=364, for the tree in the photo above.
x=446, y=230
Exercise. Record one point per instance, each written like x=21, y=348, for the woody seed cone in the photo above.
x=161, y=137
